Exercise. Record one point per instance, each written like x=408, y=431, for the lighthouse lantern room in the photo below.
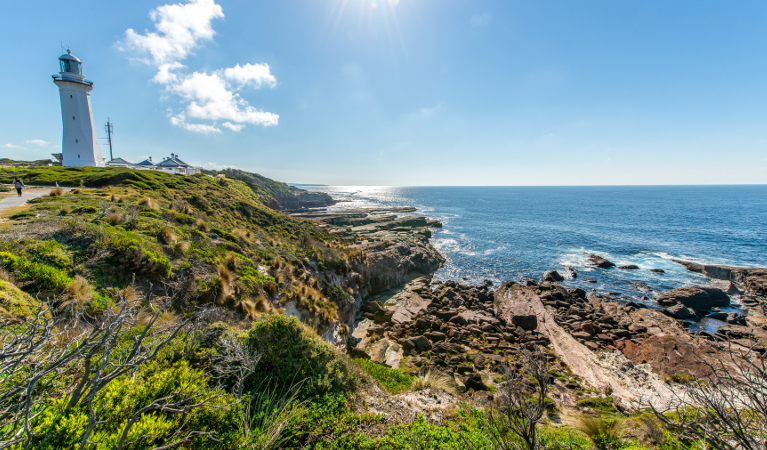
x=79, y=144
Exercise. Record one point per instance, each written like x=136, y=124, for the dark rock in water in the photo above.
x=552, y=276
x=695, y=297
x=629, y=267
x=736, y=319
x=598, y=261
x=658, y=270
x=691, y=266
x=679, y=311
x=640, y=285
x=717, y=316
x=474, y=381
x=590, y=280
x=571, y=272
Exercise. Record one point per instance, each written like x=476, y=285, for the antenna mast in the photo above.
x=110, y=129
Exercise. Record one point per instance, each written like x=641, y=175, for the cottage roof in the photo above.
x=173, y=161
x=146, y=162
x=120, y=161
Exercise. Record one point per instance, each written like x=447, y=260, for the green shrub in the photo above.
x=292, y=353
x=39, y=276
x=119, y=400
x=23, y=215
x=597, y=403
x=392, y=380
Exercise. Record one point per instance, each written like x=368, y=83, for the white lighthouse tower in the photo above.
x=80, y=145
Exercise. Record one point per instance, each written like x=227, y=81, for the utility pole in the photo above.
x=110, y=129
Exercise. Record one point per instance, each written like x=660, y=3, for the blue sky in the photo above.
x=407, y=92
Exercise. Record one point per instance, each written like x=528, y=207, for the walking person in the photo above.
x=19, y=185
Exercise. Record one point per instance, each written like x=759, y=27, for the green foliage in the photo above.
x=291, y=353
x=392, y=380
x=122, y=398
x=681, y=378
x=600, y=404
x=135, y=251
x=14, y=302
x=35, y=276
x=22, y=215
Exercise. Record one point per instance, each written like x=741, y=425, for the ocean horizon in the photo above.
x=511, y=232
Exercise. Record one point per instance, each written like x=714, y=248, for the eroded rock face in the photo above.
x=696, y=297
x=670, y=354
x=513, y=305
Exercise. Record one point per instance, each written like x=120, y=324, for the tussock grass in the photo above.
x=64, y=210
x=603, y=433
x=231, y=261
x=76, y=191
x=167, y=236
x=58, y=192
x=435, y=379
x=79, y=292
x=148, y=202
x=201, y=225
x=181, y=247
x=114, y=219
x=242, y=235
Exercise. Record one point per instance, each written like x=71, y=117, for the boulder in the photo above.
x=658, y=270
x=552, y=276
x=679, y=311
x=435, y=336
x=474, y=381
x=695, y=297
x=598, y=261
x=571, y=272
x=590, y=280
x=422, y=343
x=629, y=267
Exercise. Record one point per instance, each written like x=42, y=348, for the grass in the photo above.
x=603, y=433
x=435, y=379
x=393, y=380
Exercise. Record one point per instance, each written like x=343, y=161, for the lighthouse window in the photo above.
x=70, y=96
x=73, y=117
x=76, y=143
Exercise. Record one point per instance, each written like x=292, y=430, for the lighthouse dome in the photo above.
x=70, y=64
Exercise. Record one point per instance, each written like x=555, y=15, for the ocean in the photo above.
x=507, y=233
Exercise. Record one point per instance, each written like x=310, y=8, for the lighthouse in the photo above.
x=79, y=145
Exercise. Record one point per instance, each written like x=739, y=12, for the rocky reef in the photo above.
x=600, y=344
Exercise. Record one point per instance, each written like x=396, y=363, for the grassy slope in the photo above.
x=168, y=228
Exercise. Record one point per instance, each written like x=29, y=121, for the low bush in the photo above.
x=23, y=215
x=292, y=353
x=390, y=379
x=35, y=276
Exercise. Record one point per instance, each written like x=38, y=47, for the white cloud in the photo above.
x=180, y=28
x=17, y=147
x=258, y=74
x=211, y=97
x=233, y=127
x=217, y=166
x=37, y=142
x=180, y=121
